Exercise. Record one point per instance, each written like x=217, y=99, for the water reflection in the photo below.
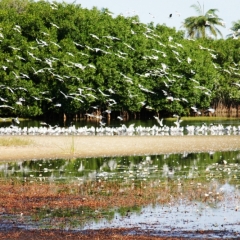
x=170, y=166
x=116, y=123
x=190, y=191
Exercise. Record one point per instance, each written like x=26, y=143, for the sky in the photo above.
x=158, y=11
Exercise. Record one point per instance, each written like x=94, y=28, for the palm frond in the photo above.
x=197, y=26
x=198, y=8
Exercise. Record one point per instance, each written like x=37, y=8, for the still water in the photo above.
x=203, y=192
x=117, y=123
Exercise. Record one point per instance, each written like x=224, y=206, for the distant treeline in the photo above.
x=59, y=59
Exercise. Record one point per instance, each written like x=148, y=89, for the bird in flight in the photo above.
x=170, y=15
x=120, y=118
x=14, y=122
x=160, y=122
x=6, y=106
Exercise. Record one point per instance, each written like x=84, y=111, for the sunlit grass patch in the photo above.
x=14, y=141
x=202, y=118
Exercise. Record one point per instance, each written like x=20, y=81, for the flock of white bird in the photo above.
x=86, y=92
x=123, y=130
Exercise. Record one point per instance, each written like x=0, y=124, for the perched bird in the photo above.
x=210, y=110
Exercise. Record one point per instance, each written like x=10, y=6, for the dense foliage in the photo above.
x=60, y=58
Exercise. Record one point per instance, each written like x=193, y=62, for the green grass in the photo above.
x=14, y=141
x=9, y=119
x=203, y=118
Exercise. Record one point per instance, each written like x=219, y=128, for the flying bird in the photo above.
x=160, y=122
x=6, y=106
x=120, y=118
x=54, y=25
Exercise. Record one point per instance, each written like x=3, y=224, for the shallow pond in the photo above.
x=173, y=194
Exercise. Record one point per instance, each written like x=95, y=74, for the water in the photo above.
x=202, y=192
x=117, y=123
x=158, y=166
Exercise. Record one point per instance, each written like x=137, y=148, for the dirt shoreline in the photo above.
x=52, y=147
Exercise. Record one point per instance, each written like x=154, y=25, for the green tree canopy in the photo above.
x=59, y=58
x=235, y=30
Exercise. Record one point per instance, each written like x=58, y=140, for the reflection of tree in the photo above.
x=134, y=168
x=124, y=211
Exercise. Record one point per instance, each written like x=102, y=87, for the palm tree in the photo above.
x=198, y=26
x=235, y=30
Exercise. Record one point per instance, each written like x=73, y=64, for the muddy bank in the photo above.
x=124, y=234
x=46, y=147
